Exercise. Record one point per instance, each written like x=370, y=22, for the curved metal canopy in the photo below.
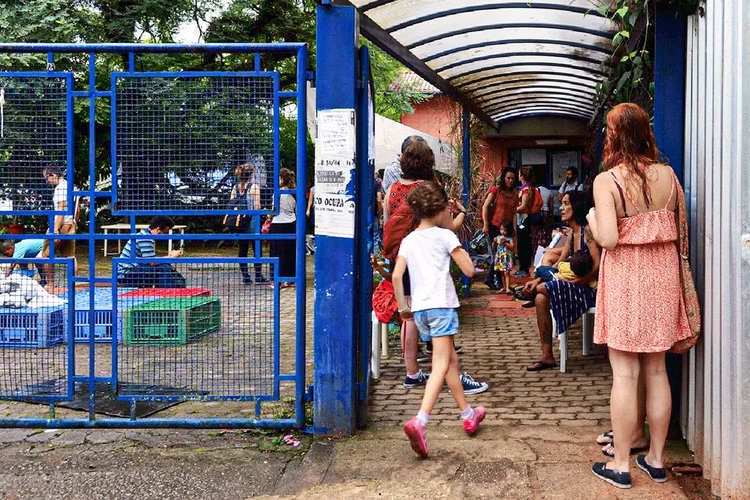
x=504, y=59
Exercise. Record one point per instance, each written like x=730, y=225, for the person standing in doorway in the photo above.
x=529, y=204
x=542, y=235
x=572, y=183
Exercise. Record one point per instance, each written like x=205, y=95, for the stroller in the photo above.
x=480, y=250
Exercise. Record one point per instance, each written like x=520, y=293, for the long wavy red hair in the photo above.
x=630, y=142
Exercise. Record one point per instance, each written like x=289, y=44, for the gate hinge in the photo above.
x=310, y=76
x=361, y=84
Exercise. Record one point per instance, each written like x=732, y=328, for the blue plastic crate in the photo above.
x=32, y=327
x=102, y=313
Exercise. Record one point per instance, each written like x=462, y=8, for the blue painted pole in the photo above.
x=466, y=162
x=466, y=154
x=365, y=218
x=335, y=261
x=670, y=54
x=670, y=59
x=301, y=289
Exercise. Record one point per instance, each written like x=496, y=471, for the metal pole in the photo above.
x=466, y=162
x=335, y=261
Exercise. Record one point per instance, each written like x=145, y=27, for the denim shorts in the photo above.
x=439, y=322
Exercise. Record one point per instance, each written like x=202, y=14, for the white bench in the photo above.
x=588, y=337
x=379, y=347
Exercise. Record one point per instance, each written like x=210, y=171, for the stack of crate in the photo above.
x=103, y=312
x=172, y=321
x=32, y=327
x=162, y=293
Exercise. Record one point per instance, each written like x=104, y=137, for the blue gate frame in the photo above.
x=93, y=95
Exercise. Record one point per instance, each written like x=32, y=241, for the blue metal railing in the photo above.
x=265, y=114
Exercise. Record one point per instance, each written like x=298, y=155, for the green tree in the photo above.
x=390, y=102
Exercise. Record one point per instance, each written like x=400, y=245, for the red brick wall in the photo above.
x=436, y=117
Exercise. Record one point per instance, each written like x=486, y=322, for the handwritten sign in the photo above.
x=336, y=133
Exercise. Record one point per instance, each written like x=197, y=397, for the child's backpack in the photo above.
x=400, y=223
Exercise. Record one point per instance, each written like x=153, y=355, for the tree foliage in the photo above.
x=158, y=21
x=390, y=102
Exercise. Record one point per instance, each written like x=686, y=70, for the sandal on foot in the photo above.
x=613, y=477
x=528, y=304
x=611, y=446
x=609, y=436
x=658, y=474
x=538, y=366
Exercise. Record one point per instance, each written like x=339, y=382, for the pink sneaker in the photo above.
x=417, y=434
x=472, y=424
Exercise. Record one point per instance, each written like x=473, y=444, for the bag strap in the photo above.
x=682, y=227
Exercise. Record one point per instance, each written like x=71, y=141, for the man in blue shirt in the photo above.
x=149, y=275
x=23, y=249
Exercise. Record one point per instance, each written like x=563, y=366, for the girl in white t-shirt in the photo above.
x=427, y=251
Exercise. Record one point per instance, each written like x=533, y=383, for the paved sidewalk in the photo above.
x=500, y=340
x=536, y=443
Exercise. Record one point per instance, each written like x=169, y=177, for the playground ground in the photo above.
x=537, y=441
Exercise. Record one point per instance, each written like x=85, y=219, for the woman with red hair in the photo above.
x=640, y=311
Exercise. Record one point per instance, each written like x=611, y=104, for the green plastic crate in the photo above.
x=172, y=321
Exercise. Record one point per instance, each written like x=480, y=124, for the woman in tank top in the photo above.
x=640, y=308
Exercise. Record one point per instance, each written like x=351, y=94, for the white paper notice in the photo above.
x=334, y=215
x=336, y=133
x=332, y=174
x=335, y=151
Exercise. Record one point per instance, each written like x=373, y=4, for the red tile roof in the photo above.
x=413, y=81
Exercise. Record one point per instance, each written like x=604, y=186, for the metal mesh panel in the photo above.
x=33, y=340
x=179, y=139
x=215, y=338
x=33, y=136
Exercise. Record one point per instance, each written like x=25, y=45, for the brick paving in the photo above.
x=500, y=339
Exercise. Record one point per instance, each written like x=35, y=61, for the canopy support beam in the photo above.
x=385, y=41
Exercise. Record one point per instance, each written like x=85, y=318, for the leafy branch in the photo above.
x=631, y=65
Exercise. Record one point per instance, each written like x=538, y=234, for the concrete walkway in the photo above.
x=537, y=441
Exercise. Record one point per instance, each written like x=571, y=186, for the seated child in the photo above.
x=579, y=266
x=504, y=254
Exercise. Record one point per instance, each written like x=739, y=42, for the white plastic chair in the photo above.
x=588, y=337
x=379, y=346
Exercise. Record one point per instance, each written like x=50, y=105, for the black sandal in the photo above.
x=542, y=366
x=606, y=435
x=613, y=477
x=633, y=451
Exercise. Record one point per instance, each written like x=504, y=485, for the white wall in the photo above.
x=716, y=392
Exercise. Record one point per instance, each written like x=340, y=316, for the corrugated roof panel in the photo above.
x=487, y=50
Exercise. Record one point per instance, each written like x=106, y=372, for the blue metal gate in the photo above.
x=181, y=143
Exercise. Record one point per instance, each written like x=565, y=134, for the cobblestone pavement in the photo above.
x=500, y=340
x=538, y=444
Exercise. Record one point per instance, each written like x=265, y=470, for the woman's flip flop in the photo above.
x=541, y=366
x=611, y=446
x=605, y=435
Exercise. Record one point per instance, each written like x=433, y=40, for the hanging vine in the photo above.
x=631, y=65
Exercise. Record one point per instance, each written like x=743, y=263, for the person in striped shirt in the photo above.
x=152, y=274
